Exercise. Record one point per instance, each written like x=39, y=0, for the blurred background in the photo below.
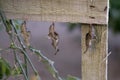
x=114, y=40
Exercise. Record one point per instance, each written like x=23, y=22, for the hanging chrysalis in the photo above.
x=54, y=36
x=89, y=37
x=25, y=34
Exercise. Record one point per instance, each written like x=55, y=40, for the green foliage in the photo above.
x=114, y=15
x=5, y=69
x=69, y=77
x=9, y=28
x=17, y=24
x=72, y=26
x=17, y=70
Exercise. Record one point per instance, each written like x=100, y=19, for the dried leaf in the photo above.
x=25, y=34
x=35, y=77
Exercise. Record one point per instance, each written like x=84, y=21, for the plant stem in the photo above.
x=23, y=49
x=26, y=65
x=45, y=60
x=29, y=60
x=6, y=26
x=49, y=62
x=17, y=58
x=22, y=45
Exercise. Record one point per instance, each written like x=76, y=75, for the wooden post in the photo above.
x=93, y=65
x=55, y=10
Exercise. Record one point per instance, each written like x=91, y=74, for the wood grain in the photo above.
x=93, y=66
x=56, y=10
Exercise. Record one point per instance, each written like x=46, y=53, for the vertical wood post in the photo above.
x=93, y=66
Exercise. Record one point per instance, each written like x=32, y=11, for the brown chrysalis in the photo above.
x=89, y=37
x=25, y=33
x=54, y=36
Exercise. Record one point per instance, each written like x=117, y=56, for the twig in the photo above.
x=1, y=50
x=45, y=60
x=19, y=39
x=29, y=60
x=17, y=58
x=22, y=45
x=50, y=63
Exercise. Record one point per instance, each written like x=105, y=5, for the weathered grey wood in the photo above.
x=93, y=66
x=56, y=10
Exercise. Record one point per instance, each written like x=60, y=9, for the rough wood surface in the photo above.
x=56, y=10
x=93, y=66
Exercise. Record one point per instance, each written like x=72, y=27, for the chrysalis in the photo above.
x=54, y=36
x=25, y=33
x=89, y=37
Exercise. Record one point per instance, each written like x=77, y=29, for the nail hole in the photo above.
x=92, y=6
x=91, y=17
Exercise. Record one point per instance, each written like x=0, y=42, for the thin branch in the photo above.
x=21, y=43
x=18, y=36
x=50, y=64
x=17, y=58
x=45, y=60
x=2, y=50
x=29, y=60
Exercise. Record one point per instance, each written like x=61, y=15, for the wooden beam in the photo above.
x=82, y=11
x=94, y=67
